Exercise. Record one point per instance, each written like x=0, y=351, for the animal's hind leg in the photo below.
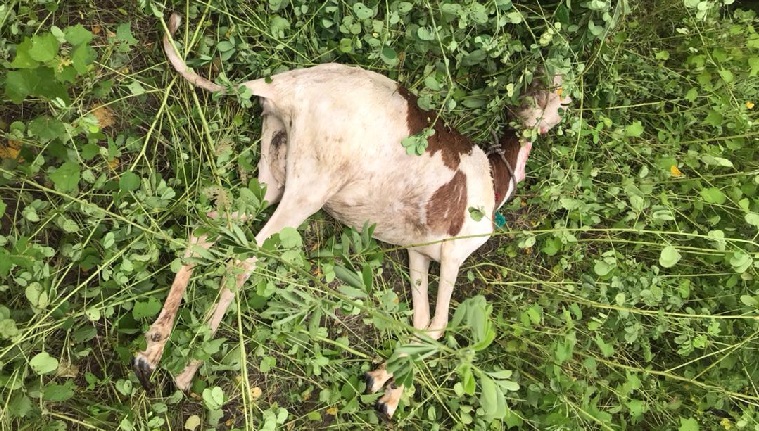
x=271, y=166
x=271, y=171
x=245, y=268
x=296, y=206
x=146, y=361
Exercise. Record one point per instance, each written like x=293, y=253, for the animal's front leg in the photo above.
x=449, y=271
x=146, y=361
x=419, y=266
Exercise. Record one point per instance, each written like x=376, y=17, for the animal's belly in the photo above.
x=414, y=200
x=399, y=220
x=395, y=222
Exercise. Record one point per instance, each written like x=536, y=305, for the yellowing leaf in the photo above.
x=67, y=369
x=675, y=171
x=104, y=116
x=332, y=411
x=255, y=393
x=192, y=423
x=10, y=150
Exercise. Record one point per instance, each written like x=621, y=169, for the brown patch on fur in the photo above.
x=446, y=208
x=509, y=145
x=448, y=141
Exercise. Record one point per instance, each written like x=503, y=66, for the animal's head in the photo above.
x=542, y=108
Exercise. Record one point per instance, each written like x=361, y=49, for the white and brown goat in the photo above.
x=331, y=139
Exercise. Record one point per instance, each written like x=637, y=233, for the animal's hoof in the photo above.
x=184, y=379
x=389, y=402
x=144, y=370
x=381, y=408
x=385, y=408
x=376, y=380
x=369, y=380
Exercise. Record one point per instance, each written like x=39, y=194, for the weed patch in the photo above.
x=621, y=294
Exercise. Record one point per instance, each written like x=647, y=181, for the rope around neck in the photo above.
x=501, y=154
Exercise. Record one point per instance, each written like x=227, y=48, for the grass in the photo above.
x=621, y=295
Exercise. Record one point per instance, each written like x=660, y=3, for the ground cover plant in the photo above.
x=621, y=293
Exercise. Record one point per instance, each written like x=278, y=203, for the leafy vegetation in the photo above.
x=622, y=292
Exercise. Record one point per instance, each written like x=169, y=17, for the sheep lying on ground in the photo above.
x=331, y=139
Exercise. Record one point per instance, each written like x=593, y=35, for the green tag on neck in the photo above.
x=500, y=220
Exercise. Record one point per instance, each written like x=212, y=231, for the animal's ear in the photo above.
x=541, y=99
x=522, y=156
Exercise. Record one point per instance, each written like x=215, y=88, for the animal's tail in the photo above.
x=178, y=63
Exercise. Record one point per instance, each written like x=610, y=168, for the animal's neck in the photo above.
x=504, y=165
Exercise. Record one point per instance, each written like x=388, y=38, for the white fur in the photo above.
x=331, y=139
